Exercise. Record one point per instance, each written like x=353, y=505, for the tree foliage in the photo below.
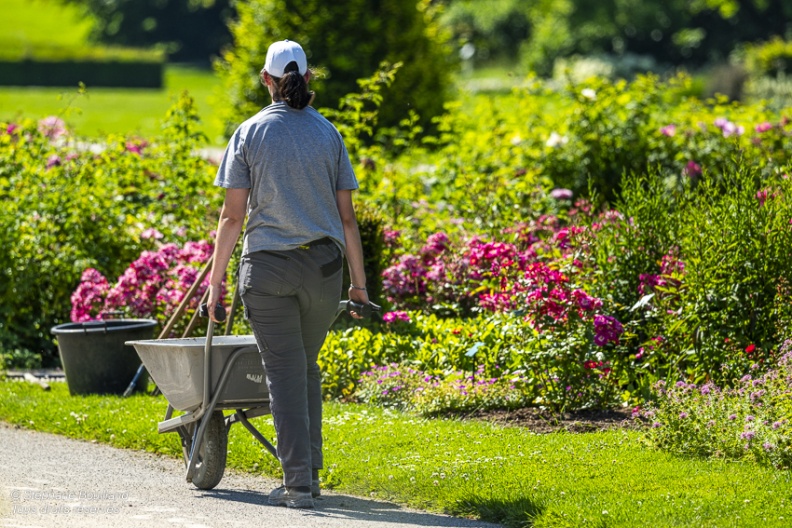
x=671, y=31
x=189, y=29
x=344, y=42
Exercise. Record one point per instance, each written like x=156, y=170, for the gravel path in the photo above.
x=52, y=481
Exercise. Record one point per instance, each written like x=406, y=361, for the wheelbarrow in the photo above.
x=205, y=376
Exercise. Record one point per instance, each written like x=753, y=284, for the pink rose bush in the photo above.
x=504, y=276
x=539, y=278
x=152, y=286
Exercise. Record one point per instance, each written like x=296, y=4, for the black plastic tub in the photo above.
x=95, y=358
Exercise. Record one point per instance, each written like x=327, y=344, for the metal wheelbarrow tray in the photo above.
x=203, y=377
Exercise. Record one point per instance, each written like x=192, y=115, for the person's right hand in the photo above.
x=213, y=300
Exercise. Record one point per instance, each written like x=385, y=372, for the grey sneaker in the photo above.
x=291, y=498
x=315, y=490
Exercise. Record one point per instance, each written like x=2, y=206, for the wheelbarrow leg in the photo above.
x=241, y=418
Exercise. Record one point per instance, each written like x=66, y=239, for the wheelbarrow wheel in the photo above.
x=211, y=462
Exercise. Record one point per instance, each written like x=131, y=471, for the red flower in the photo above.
x=750, y=348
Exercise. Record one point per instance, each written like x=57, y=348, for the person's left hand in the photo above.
x=359, y=296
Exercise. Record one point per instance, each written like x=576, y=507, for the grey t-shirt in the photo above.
x=293, y=161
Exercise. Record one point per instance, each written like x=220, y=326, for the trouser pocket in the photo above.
x=268, y=273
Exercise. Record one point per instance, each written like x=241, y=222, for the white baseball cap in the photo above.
x=281, y=53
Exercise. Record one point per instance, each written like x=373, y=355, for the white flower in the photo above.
x=556, y=140
x=588, y=93
x=516, y=139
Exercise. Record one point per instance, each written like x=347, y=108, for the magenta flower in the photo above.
x=52, y=127
x=135, y=147
x=392, y=238
x=649, y=282
x=763, y=127
x=607, y=330
x=392, y=317
x=88, y=299
x=154, y=284
x=692, y=169
x=151, y=233
x=435, y=245
x=668, y=130
x=53, y=161
x=561, y=194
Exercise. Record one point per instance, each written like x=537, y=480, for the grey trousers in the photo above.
x=290, y=299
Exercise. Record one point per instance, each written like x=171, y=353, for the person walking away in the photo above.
x=288, y=171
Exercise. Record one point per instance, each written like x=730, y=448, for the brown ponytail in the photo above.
x=292, y=88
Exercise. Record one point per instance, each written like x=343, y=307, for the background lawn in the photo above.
x=26, y=24
x=116, y=111
x=48, y=23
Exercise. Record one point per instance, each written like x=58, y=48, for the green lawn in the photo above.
x=26, y=24
x=501, y=474
x=49, y=23
x=117, y=111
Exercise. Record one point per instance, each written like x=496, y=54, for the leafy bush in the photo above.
x=427, y=342
x=495, y=159
x=767, y=59
x=18, y=359
x=69, y=205
x=675, y=284
x=551, y=374
x=705, y=267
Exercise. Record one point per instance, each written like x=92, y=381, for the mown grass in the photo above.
x=499, y=474
x=28, y=24
x=102, y=111
x=31, y=23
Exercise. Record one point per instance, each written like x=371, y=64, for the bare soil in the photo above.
x=539, y=421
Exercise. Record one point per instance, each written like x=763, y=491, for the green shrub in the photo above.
x=371, y=226
x=706, y=268
x=19, y=359
x=89, y=73
x=403, y=387
x=775, y=92
x=426, y=342
x=346, y=41
x=46, y=53
x=769, y=58
x=69, y=205
x=554, y=370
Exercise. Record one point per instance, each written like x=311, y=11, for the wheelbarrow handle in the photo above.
x=219, y=311
x=364, y=310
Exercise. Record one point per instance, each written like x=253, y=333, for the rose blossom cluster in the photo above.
x=408, y=281
x=501, y=276
x=88, y=299
x=607, y=330
x=154, y=284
